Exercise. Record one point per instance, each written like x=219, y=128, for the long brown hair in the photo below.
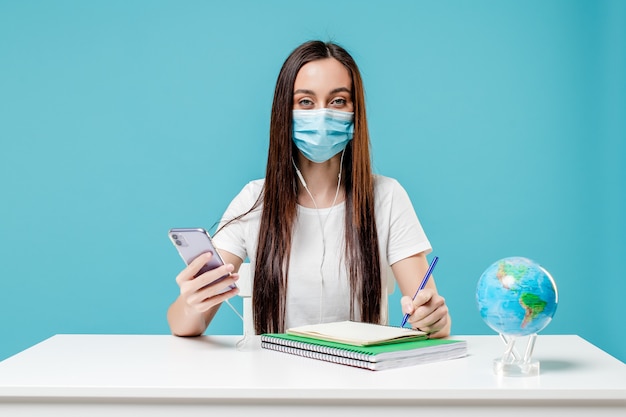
x=279, y=198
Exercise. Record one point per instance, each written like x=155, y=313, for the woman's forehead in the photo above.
x=323, y=74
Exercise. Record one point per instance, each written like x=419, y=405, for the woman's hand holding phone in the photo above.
x=204, y=291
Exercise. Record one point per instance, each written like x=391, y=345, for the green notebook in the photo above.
x=374, y=357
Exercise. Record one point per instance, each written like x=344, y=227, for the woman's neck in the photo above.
x=322, y=182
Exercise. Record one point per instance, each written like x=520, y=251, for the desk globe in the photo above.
x=517, y=298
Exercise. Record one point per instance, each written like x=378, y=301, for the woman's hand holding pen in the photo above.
x=427, y=312
x=201, y=293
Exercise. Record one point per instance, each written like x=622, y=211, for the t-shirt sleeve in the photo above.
x=234, y=236
x=406, y=235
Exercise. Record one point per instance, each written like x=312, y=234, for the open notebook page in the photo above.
x=357, y=333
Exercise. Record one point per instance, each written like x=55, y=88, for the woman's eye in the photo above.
x=305, y=102
x=338, y=102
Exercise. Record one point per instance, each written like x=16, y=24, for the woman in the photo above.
x=320, y=229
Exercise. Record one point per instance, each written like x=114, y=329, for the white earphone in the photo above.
x=300, y=176
x=322, y=223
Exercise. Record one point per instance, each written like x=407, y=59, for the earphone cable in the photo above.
x=322, y=224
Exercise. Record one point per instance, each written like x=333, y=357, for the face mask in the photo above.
x=323, y=133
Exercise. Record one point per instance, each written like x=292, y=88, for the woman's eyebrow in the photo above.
x=304, y=91
x=341, y=90
x=334, y=91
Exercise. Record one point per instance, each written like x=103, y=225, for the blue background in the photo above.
x=504, y=120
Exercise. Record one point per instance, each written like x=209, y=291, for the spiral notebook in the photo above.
x=384, y=355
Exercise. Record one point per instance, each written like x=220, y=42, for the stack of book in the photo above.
x=364, y=345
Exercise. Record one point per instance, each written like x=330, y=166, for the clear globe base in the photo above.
x=503, y=368
x=514, y=364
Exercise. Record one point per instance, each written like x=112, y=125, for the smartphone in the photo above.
x=193, y=242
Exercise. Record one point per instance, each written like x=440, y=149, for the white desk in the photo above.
x=94, y=375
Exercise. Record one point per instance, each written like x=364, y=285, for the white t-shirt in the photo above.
x=318, y=289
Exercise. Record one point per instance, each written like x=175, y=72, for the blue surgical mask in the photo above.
x=323, y=133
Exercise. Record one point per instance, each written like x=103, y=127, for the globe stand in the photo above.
x=512, y=363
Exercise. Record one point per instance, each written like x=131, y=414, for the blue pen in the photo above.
x=422, y=285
